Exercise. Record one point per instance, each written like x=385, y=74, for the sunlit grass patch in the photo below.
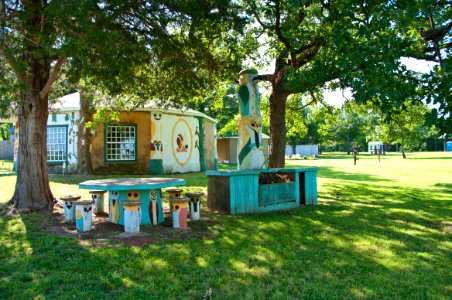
x=381, y=230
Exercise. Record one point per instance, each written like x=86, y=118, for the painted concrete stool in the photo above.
x=195, y=204
x=179, y=213
x=98, y=201
x=132, y=216
x=174, y=193
x=69, y=207
x=84, y=215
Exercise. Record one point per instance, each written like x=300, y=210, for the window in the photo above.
x=56, y=143
x=120, y=143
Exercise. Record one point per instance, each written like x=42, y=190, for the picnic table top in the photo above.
x=123, y=184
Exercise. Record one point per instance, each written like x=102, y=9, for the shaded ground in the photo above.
x=104, y=232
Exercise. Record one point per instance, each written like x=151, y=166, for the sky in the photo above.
x=338, y=96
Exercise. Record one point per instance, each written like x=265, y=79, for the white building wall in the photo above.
x=69, y=118
x=307, y=150
x=180, y=133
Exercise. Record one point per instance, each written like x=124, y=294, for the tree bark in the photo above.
x=278, y=99
x=32, y=190
x=84, y=165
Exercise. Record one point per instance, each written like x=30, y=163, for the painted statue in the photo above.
x=179, y=212
x=250, y=150
x=114, y=207
x=153, y=207
x=98, y=201
x=69, y=211
x=83, y=216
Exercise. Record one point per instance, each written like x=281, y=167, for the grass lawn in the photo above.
x=382, y=230
x=6, y=165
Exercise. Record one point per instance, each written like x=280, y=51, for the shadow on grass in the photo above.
x=365, y=241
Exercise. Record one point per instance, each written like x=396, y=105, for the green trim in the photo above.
x=136, y=144
x=52, y=162
x=201, y=144
x=156, y=167
x=215, y=164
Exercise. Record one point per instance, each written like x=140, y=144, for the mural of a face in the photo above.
x=156, y=135
x=114, y=207
x=182, y=141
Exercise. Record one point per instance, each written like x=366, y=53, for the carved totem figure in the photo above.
x=114, y=207
x=251, y=155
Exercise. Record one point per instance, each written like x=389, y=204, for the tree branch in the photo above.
x=54, y=74
x=265, y=77
x=278, y=31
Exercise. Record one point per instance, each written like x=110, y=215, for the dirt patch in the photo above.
x=271, y=178
x=106, y=233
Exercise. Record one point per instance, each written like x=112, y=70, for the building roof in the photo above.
x=71, y=102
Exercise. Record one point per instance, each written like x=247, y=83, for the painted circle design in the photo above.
x=179, y=128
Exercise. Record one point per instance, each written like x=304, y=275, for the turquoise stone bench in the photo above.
x=238, y=192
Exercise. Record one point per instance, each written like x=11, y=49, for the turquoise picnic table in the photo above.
x=146, y=190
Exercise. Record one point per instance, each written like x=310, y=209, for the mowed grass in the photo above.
x=382, y=230
x=6, y=165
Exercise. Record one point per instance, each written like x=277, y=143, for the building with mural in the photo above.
x=144, y=141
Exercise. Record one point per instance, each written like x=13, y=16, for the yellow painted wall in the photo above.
x=141, y=166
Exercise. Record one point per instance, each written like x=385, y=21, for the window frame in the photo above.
x=66, y=127
x=135, y=143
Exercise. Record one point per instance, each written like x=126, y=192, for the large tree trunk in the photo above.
x=278, y=99
x=32, y=190
x=84, y=165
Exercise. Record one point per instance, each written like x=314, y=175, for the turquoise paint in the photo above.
x=215, y=164
x=244, y=95
x=156, y=167
x=247, y=196
x=144, y=206
x=126, y=184
x=144, y=185
x=310, y=188
x=277, y=193
x=245, y=151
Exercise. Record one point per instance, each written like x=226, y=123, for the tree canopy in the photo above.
x=353, y=44
x=144, y=48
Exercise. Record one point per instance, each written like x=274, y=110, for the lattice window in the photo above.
x=57, y=143
x=120, y=142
